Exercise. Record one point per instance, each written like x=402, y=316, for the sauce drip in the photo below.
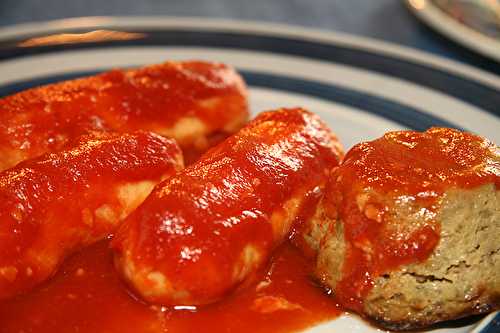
x=88, y=296
x=405, y=166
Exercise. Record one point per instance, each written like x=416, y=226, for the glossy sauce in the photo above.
x=207, y=229
x=301, y=226
x=153, y=98
x=54, y=204
x=88, y=296
x=409, y=166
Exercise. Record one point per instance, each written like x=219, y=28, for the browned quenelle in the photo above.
x=407, y=233
x=192, y=102
x=203, y=232
x=55, y=204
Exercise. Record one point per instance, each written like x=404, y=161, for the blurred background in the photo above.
x=387, y=20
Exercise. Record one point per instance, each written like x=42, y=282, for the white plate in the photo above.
x=480, y=42
x=362, y=88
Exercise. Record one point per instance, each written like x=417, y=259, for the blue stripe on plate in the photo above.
x=470, y=91
x=397, y=112
x=493, y=326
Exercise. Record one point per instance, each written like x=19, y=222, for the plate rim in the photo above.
x=372, y=45
x=435, y=18
x=259, y=28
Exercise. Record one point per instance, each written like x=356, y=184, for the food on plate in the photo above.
x=402, y=231
x=204, y=232
x=407, y=232
x=194, y=102
x=57, y=203
x=86, y=295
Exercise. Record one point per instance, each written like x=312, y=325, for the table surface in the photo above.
x=387, y=20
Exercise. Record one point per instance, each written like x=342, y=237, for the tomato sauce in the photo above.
x=87, y=295
x=204, y=231
x=60, y=202
x=301, y=227
x=401, y=166
x=154, y=98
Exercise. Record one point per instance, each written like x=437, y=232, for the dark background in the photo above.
x=388, y=20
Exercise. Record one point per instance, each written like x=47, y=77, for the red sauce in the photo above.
x=152, y=98
x=49, y=205
x=301, y=226
x=412, y=166
x=195, y=227
x=87, y=296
